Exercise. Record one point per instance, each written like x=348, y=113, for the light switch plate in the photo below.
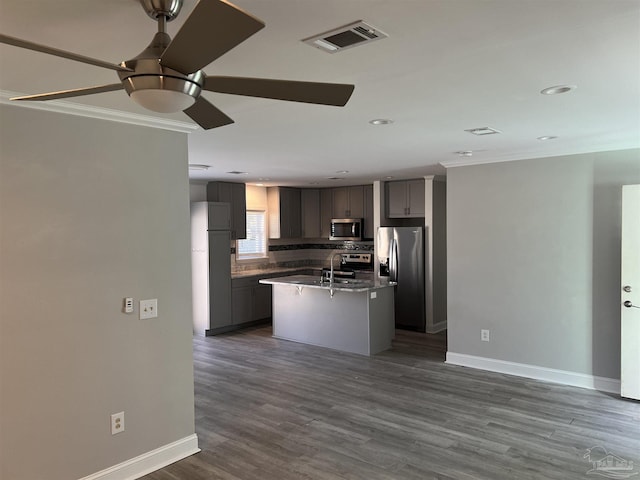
x=148, y=308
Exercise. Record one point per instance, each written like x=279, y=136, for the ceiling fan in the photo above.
x=167, y=76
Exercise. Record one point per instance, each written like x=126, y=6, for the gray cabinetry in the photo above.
x=326, y=202
x=219, y=279
x=405, y=198
x=348, y=202
x=235, y=195
x=310, y=213
x=251, y=301
x=285, y=216
x=368, y=230
x=261, y=302
x=241, y=301
x=210, y=266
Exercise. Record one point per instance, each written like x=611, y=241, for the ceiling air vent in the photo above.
x=351, y=35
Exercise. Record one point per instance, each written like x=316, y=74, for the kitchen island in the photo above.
x=354, y=316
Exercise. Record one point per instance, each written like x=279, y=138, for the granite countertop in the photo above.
x=347, y=285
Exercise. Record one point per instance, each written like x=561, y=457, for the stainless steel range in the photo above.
x=353, y=265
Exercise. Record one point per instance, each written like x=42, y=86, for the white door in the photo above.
x=630, y=304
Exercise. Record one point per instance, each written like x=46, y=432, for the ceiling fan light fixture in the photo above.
x=163, y=93
x=162, y=101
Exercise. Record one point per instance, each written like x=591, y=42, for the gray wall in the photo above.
x=91, y=212
x=534, y=256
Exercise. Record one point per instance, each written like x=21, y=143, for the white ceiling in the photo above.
x=447, y=66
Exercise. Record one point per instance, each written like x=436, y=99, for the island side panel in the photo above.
x=381, y=320
x=311, y=315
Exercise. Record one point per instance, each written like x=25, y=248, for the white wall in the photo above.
x=534, y=256
x=91, y=212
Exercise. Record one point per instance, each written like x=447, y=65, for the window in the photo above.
x=255, y=245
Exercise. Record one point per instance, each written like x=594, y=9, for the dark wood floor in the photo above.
x=271, y=409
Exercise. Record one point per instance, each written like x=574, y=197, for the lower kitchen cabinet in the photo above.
x=250, y=301
x=261, y=302
x=241, y=300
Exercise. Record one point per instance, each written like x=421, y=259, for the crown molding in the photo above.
x=465, y=162
x=70, y=108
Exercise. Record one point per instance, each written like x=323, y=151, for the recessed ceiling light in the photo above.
x=464, y=153
x=313, y=183
x=483, y=131
x=547, y=137
x=389, y=177
x=198, y=166
x=235, y=172
x=342, y=172
x=558, y=89
x=264, y=179
x=380, y=121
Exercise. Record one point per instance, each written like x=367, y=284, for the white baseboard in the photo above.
x=437, y=327
x=149, y=462
x=564, y=377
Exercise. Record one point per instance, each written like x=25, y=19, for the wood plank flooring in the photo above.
x=269, y=409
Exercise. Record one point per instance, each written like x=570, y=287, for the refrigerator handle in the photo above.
x=393, y=260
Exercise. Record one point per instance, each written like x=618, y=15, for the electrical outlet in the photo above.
x=117, y=423
x=484, y=335
x=148, y=308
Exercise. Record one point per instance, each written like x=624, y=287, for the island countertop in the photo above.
x=344, y=285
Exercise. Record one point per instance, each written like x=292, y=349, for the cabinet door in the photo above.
x=310, y=213
x=261, y=302
x=356, y=201
x=415, y=198
x=219, y=216
x=326, y=213
x=396, y=199
x=368, y=212
x=242, y=300
x=233, y=194
x=219, y=279
x=290, y=213
x=295, y=216
x=238, y=211
x=340, y=207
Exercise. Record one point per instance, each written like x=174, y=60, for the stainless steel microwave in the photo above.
x=346, y=229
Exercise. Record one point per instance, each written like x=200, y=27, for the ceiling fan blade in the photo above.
x=16, y=42
x=206, y=115
x=336, y=94
x=78, y=92
x=213, y=28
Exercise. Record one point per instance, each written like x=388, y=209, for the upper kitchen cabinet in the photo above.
x=311, y=218
x=235, y=195
x=368, y=230
x=285, y=216
x=348, y=202
x=405, y=198
x=326, y=213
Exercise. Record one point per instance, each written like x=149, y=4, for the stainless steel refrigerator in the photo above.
x=400, y=252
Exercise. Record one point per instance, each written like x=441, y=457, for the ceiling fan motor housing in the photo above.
x=168, y=9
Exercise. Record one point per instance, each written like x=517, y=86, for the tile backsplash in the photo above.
x=299, y=255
